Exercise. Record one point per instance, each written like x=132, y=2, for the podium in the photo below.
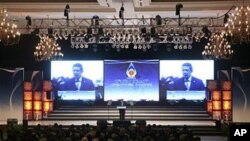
x=121, y=112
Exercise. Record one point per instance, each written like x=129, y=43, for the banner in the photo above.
x=241, y=97
x=11, y=93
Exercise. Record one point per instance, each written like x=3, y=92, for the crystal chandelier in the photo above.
x=9, y=35
x=238, y=25
x=217, y=47
x=47, y=49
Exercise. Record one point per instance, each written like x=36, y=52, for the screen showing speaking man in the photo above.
x=185, y=79
x=78, y=80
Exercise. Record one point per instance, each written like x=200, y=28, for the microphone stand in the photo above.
x=132, y=109
x=131, y=104
x=108, y=112
x=108, y=104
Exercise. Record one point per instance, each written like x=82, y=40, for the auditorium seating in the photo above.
x=117, y=132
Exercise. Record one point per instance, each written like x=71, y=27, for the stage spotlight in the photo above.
x=100, y=31
x=29, y=22
x=226, y=17
x=206, y=31
x=177, y=12
x=153, y=32
x=147, y=37
x=158, y=20
x=170, y=39
x=66, y=11
x=121, y=12
x=89, y=31
x=189, y=31
x=178, y=8
x=50, y=31
x=143, y=30
x=122, y=8
x=95, y=20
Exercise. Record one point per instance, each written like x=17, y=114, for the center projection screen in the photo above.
x=131, y=80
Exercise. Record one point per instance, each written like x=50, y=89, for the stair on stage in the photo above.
x=194, y=113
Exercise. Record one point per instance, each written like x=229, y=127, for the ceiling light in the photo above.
x=47, y=49
x=9, y=34
x=238, y=25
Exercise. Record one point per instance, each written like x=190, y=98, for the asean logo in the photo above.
x=131, y=71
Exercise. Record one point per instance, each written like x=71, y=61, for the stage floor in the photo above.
x=94, y=122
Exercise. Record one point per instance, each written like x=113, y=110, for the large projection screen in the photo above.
x=88, y=87
x=173, y=84
x=131, y=80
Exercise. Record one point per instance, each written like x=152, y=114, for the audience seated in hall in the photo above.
x=97, y=133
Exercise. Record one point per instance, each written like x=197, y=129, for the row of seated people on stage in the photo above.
x=86, y=132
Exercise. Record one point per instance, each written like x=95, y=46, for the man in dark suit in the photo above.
x=122, y=109
x=188, y=82
x=78, y=82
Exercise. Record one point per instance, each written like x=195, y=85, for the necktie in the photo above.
x=78, y=84
x=187, y=84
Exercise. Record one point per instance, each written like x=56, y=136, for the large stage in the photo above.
x=195, y=117
x=158, y=115
x=153, y=113
x=94, y=122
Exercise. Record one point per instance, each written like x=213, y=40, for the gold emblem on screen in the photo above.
x=131, y=71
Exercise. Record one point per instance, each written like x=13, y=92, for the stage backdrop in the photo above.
x=11, y=94
x=241, y=97
x=36, y=78
x=131, y=80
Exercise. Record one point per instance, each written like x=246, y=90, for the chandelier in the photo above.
x=9, y=35
x=238, y=25
x=47, y=49
x=217, y=47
